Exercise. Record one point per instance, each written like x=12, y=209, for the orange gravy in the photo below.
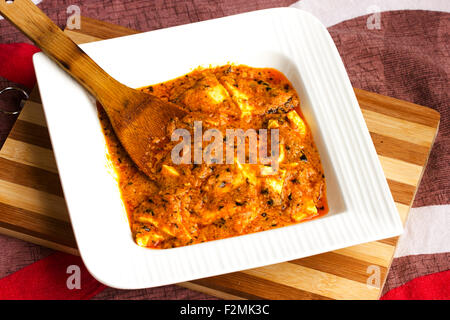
x=185, y=204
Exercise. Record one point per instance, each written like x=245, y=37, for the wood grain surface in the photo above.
x=32, y=205
x=146, y=114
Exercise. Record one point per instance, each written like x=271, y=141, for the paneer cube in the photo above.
x=297, y=122
x=169, y=171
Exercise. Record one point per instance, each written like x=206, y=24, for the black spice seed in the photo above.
x=146, y=229
x=290, y=196
x=222, y=184
x=220, y=222
x=220, y=207
x=264, y=214
x=270, y=202
x=303, y=157
x=265, y=191
x=239, y=203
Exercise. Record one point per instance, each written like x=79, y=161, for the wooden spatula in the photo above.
x=137, y=117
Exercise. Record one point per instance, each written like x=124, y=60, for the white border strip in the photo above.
x=427, y=231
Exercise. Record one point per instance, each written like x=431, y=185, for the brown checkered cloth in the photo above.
x=407, y=58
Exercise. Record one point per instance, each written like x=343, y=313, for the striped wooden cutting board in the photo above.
x=32, y=206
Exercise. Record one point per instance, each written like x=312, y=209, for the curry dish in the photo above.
x=185, y=204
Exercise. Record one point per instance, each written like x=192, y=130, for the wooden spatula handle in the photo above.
x=49, y=37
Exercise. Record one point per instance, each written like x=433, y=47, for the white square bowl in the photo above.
x=290, y=40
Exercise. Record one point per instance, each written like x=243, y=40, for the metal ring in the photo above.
x=25, y=94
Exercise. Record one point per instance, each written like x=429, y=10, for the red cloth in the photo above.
x=434, y=286
x=16, y=64
x=48, y=279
